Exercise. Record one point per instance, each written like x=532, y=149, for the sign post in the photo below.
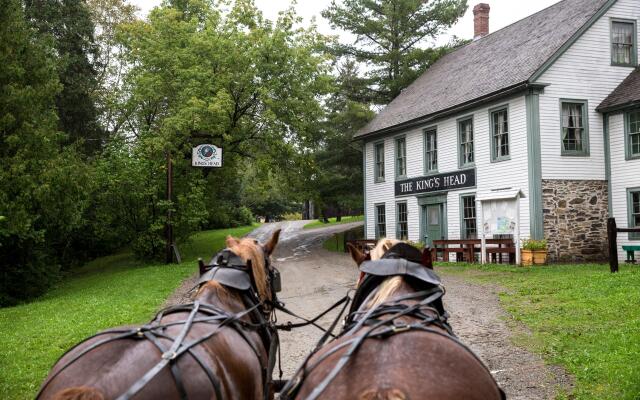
x=169, y=245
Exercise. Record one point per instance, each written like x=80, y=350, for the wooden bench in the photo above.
x=463, y=248
x=505, y=246
x=466, y=249
x=631, y=259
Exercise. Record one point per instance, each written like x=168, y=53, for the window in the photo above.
x=381, y=221
x=469, y=223
x=401, y=157
x=379, y=166
x=402, y=228
x=632, y=129
x=575, y=128
x=623, y=43
x=431, y=151
x=634, y=212
x=500, y=135
x=465, y=133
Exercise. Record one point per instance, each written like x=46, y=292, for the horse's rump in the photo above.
x=408, y=365
x=114, y=367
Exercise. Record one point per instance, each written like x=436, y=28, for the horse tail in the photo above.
x=383, y=394
x=79, y=393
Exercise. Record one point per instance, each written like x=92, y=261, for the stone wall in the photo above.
x=575, y=219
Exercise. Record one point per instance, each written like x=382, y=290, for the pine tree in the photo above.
x=391, y=37
x=68, y=24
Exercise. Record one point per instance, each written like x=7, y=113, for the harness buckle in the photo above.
x=169, y=355
x=400, y=328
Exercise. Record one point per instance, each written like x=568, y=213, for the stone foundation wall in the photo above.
x=575, y=219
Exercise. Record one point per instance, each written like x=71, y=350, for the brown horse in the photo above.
x=396, y=343
x=215, y=348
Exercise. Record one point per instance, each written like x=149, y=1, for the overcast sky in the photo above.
x=503, y=13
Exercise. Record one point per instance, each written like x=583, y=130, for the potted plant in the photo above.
x=534, y=252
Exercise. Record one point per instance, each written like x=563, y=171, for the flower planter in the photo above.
x=539, y=257
x=534, y=252
x=527, y=257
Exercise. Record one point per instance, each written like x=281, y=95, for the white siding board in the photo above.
x=583, y=72
x=624, y=174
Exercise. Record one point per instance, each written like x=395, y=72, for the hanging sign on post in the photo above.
x=207, y=155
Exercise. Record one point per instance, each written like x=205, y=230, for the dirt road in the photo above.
x=313, y=279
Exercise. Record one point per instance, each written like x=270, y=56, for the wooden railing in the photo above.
x=612, y=235
x=465, y=249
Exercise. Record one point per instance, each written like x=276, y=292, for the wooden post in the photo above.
x=169, y=225
x=612, y=234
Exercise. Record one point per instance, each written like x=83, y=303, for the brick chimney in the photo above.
x=481, y=20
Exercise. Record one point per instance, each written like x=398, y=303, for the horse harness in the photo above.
x=383, y=320
x=229, y=270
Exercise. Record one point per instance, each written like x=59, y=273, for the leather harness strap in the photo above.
x=154, y=331
x=381, y=322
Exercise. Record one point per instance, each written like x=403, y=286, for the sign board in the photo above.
x=437, y=183
x=499, y=216
x=500, y=213
x=207, y=155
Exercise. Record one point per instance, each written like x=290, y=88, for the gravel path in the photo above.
x=313, y=279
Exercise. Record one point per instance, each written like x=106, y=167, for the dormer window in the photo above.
x=623, y=43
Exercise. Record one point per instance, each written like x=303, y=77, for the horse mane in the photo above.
x=249, y=250
x=390, y=285
x=214, y=286
x=382, y=247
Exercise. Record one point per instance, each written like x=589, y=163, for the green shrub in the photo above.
x=532, y=244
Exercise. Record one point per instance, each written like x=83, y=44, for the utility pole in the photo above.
x=169, y=226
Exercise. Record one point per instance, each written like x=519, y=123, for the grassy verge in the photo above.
x=110, y=291
x=334, y=243
x=581, y=317
x=332, y=221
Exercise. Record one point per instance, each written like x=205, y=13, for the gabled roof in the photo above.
x=497, y=62
x=626, y=94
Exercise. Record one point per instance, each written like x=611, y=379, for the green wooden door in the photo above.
x=432, y=222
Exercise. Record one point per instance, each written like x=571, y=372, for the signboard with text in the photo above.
x=207, y=155
x=437, y=183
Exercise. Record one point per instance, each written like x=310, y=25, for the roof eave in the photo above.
x=618, y=107
x=477, y=102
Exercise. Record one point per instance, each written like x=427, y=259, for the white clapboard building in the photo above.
x=531, y=131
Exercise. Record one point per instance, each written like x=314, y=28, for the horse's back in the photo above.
x=112, y=368
x=411, y=365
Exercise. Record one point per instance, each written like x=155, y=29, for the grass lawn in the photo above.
x=335, y=243
x=110, y=291
x=332, y=221
x=581, y=317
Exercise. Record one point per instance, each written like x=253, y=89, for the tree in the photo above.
x=108, y=16
x=339, y=160
x=201, y=74
x=70, y=28
x=266, y=192
x=390, y=37
x=43, y=188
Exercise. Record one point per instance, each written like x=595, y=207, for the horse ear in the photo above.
x=271, y=244
x=356, y=254
x=427, y=259
x=231, y=241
